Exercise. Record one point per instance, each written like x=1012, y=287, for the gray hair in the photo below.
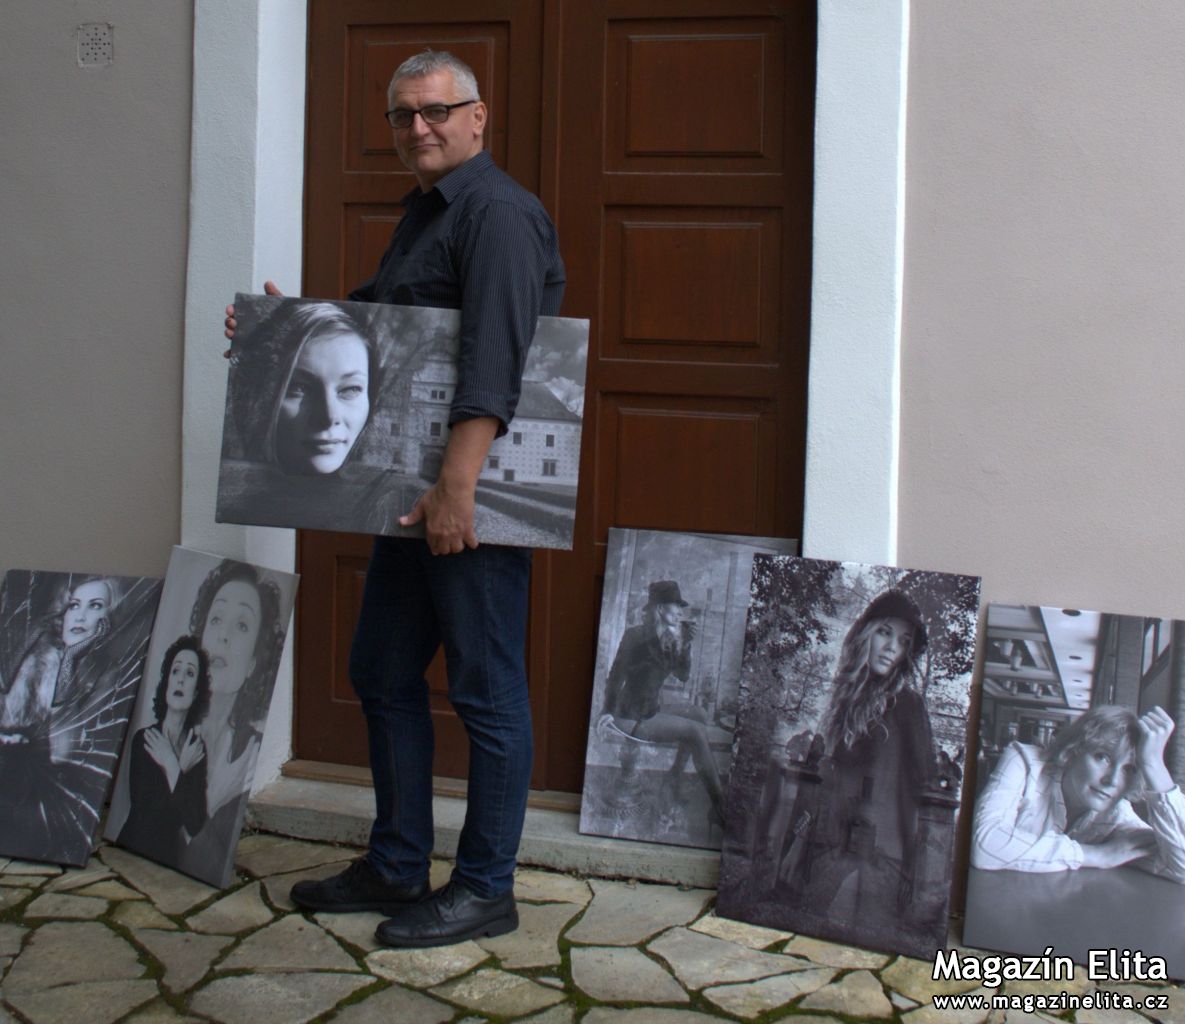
x=429, y=61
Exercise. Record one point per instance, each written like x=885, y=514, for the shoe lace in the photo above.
x=359, y=870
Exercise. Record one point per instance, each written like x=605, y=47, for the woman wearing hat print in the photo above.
x=855, y=860
x=659, y=647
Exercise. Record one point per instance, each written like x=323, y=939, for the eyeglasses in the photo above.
x=433, y=113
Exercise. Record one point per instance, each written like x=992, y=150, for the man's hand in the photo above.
x=269, y=288
x=447, y=517
x=446, y=508
x=1155, y=729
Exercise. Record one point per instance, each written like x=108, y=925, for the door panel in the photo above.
x=672, y=144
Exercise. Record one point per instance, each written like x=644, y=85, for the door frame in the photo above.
x=246, y=209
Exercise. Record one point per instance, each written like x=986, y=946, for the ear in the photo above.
x=479, y=117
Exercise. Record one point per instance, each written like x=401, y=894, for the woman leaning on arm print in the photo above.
x=1068, y=806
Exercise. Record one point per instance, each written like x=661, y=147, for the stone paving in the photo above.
x=126, y=940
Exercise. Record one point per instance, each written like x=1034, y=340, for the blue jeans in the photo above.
x=475, y=603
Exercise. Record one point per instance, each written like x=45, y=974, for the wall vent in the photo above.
x=95, y=44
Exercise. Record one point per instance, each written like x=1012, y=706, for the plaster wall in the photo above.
x=1042, y=349
x=94, y=182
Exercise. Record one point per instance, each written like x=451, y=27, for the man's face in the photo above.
x=430, y=151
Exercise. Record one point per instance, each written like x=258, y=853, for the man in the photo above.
x=474, y=240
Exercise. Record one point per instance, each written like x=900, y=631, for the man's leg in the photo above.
x=395, y=639
x=483, y=616
x=481, y=597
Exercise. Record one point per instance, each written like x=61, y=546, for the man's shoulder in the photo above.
x=490, y=184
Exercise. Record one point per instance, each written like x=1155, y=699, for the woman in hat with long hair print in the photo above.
x=852, y=858
x=656, y=649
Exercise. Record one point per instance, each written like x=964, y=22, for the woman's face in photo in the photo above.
x=887, y=645
x=229, y=635
x=325, y=406
x=182, y=685
x=1095, y=780
x=86, y=607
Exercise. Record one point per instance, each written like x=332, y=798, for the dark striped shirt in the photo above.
x=481, y=243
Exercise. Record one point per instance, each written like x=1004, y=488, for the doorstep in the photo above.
x=342, y=813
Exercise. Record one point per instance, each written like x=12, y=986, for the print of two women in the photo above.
x=190, y=770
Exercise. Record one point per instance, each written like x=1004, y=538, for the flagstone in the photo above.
x=241, y=911
x=1176, y=1011
x=11, y=897
x=60, y=905
x=161, y=1012
x=1079, y=984
x=11, y=937
x=262, y=854
x=291, y=998
x=356, y=929
x=64, y=953
x=140, y=914
x=616, y=974
x=277, y=887
x=535, y=942
x=31, y=867
x=912, y=978
x=751, y=935
x=291, y=944
x=624, y=915
x=903, y=1002
x=699, y=960
x=171, y=891
x=396, y=1005
x=650, y=1015
x=1109, y=1017
x=423, y=968
x=550, y=981
x=111, y=890
x=930, y=1014
x=858, y=994
x=498, y=992
x=95, y=1002
x=556, y=1015
x=186, y=958
x=76, y=878
x=831, y=954
x=549, y=887
x=752, y=999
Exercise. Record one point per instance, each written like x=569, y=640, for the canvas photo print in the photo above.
x=848, y=764
x=337, y=419
x=1078, y=838
x=71, y=654
x=664, y=698
x=191, y=751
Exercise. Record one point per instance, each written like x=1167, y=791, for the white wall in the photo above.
x=94, y=181
x=1043, y=358
x=245, y=227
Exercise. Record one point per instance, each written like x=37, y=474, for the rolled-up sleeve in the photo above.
x=503, y=263
x=1166, y=815
x=998, y=840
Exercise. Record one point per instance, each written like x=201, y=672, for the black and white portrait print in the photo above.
x=191, y=752
x=71, y=655
x=337, y=417
x=845, y=785
x=1078, y=838
x=665, y=691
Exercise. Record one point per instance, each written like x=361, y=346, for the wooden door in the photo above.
x=672, y=144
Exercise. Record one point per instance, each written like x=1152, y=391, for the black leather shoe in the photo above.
x=452, y=914
x=359, y=887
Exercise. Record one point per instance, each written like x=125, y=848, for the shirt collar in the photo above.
x=457, y=180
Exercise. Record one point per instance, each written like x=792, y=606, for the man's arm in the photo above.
x=446, y=508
